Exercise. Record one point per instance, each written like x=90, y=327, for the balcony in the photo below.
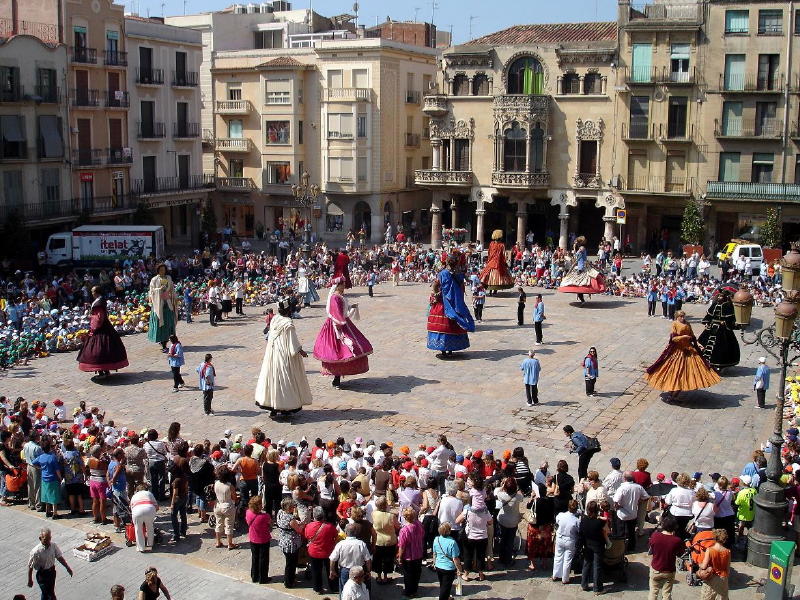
x=149, y=130
x=235, y=184
x=638, y=132
x=107, y=205
x=663, y=75
x=435, y=105
x=46, y=210
x=87, y=157
x=641, y=75
x=449, y=178
x=233, y=145
x=47, y=32
x=412, y=97
x=185, y=131
x=15, y=94
x=756, y=192
x=505, y=179
x=84, y=56
x=85, y=98
x=587, y=180
x=652, y=184
x=47, y=94
x=412, y=140
x=527, y=103
x=346, y=95
x=751, y=84
x=149, y=76
x=749, y=129
x=661, y=15
x=115, y=58
x=163, y=185
x=184, y=79
x=119, y=156
x=233, y=107
x=117, y=99
x=672, y=134
x=208, y=136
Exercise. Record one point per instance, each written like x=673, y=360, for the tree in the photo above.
x=693, y=226
x=770, y=230
x=208, y=221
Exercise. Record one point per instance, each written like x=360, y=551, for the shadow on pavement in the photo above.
x=393, y=384
x=322, y=415
x=492, y=355
x=211, y=348
x=707, y=399
x=600, y=304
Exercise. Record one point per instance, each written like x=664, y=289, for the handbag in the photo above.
x=705, y=574
x=531, y=516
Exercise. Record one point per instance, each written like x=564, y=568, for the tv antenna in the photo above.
x=434, y=6
x=416, y=11
x=471, y=19
x=355, y=10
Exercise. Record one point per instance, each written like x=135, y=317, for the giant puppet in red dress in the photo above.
x=495, y=275
x=340, y=268
x=103, y=350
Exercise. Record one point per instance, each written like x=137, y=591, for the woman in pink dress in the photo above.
x=340, y=346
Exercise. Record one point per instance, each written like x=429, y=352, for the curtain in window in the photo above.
x=736, y=21
x=52, y=143
x=235, y=129
x=729, y=166
x=642, y=62
x=734, y=72
x=732, y=118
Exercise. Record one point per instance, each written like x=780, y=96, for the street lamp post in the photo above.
x=306, y=195
x=770, y=502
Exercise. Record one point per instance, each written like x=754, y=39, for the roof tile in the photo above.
x=603, y=31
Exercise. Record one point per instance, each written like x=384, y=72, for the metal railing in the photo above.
x=233, y=107
x=347, y=94
x=185, y=130
x=44, y=210
x=87, y=157
x=79, y=54
x=47, y=94
x=412, y=97
x=514, y=179
x=672, y=133
x=745, y=190
x=412, y=140
x=115, y=58
x=665, y=12
x=109, y=204
x=119, y=156
x=47, y=32
x=795, y=130
x=85, y=97
x=638, y=131
x=149, y=76
x=657, y=184
x=117, y=99
x=15, y=94
x=646, y=74
x=161, y=185
x=184, y=78
x=749, y=128
x=149, y=130
x=751, y=83
x=233, y=144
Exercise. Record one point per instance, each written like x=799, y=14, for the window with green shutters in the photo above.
x=734, y=72
x=729, y=166
x=732, y=118
x=642, y=62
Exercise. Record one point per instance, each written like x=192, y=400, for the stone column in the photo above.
x=436, y=222
x=563, y=227
x=608, y=227
x=436, y=145
x=522, y=222
x=641, y=229
x=377, y=227
x=454, y=211
x=479, y=212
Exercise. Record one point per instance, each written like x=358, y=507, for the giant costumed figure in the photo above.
x=449, y=319
x=340, y=268
x=103, y=350
x=720, y=346
x=495, y=275
x=163, y=307
x=582, y=278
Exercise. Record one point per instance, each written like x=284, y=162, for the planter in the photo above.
x=689, y=249
x=772, y=254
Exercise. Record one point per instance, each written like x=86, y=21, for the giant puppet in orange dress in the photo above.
x=495, y=275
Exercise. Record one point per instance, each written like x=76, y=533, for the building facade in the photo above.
x=164, y=129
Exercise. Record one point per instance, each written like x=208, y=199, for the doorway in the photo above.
x=590, y=223
x=362, y=217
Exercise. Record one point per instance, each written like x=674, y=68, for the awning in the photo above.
x=12, y=128
x=333, y=209
x=51, y=136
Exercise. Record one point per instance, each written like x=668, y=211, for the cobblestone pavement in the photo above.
x=409, y=396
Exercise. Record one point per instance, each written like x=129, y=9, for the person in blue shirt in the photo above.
x=446, y=560
x=671, y=303
x=372, y=280
x=478, y=300
x=680, y=296
x=51, y=469
x=761, y=381
x=652, y=298
x=664, y=297
x=590, y=371
x=531, y=368
x=176, y=361
x=208, y=376
x=538, y=317
x=188, y=300
x=582, y=447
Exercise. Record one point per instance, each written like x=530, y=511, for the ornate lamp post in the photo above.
x=306, y=195
x=770, y=502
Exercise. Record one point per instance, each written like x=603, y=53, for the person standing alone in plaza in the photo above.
x=521, y=306
x=176, y=361
x=538, y=318
x=590, y=371
x=530, y=368
x=208, y=375
x=42, y=560
x=761, y=381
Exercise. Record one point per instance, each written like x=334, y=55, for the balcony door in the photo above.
x=588, y=158
x=183, y=119
x=729, y=166
x=768, y=71
x=637, y=171
x=765, y=118
x=149, y=174
x=84, y=139
x=147, y=112
x=732, y=118
x=183, y=171
x=82, y=88
x=734, y=72
x=676, y=172
x=115, y=143
x=145, y=64
x=113, y=88
x=676, y=123
x=180, y=67
x=642, y=62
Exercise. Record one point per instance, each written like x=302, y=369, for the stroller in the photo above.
x=615, y=563
x=16, y=484
x=694, y=554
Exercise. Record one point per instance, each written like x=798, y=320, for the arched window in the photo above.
x=592, y=84
x=526, y=76
x=461, y=85
x=537, y=148
x=514, y=149
x=480, y=85
x=571, y=84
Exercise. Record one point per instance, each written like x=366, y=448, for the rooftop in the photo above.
x=548, y=33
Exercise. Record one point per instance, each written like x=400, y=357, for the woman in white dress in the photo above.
x=282, y=384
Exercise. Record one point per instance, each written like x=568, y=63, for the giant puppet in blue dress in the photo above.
x=449, y=319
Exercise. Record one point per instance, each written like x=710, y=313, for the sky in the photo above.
x=485, y=16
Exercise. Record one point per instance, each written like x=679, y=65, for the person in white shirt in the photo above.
x=355, y=589
x=439, y=460
x=680, y=500
x=703, y=510
x=449, y=508
x=626, y=501
x=567, y=524
x=614, y=479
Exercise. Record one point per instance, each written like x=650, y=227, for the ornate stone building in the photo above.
x=519, y=134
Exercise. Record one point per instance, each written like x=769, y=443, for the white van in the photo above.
x=736, y=248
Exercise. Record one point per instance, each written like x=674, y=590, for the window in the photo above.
x=480, y=85
x=46, y=86
x=268, y=39
x=235, y=129
x=641, y=69
x=537, y=148
x=770, y=21
x=300, y=133
x=729, y=166
x=12, y=188
x=768, y=71
x=361, y=78
x=51, y=143
x=766, y=123
x=340, y=169
x=361, y=168
x=515, y=149
x=679, y=63
x=676, y=121
x=737, y=21
x=278, y=172
x=279, y=91
x=461, y=156
x=180, y=68
x=797, y=169
x=640, y=117
x=340, y=125
x=149, y=170
x=461, y=85
x=797, y=24
x=361, y=126
x=526, y=76
x=50, y=185
x=13, y=142
x=112, y=45
x=9, y=84
x=571, y=84
x=762, y=167
x=334, y=218
x=588, y=159
x=426, y=127
x=732, y=118
x=277, y=132
x=335, y=79
x=638, y=174
x=676, y=172
x=592, y=83
x=235, y=92
x=236, y=168
x=734, y=72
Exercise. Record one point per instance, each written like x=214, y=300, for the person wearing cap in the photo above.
x=761, y=381
x=745, y=505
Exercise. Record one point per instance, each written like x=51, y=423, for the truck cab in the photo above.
x=59, y=249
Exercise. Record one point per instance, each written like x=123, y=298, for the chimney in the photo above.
x=361, y=32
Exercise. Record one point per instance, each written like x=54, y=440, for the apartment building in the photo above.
x=35, y=172
x=522, y=138
x=164, y=127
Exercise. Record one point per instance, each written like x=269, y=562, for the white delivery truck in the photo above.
x=104, y=245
